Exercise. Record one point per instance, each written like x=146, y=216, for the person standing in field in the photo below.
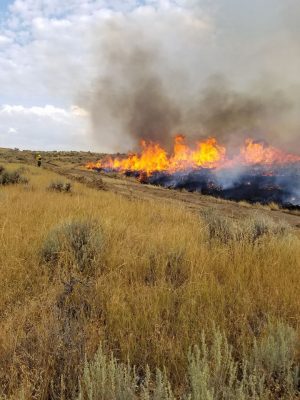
x=39, y=160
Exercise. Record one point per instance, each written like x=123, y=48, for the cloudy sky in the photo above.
x=51, y=58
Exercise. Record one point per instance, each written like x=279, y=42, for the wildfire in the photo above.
x=259, y=153
x=205, y=154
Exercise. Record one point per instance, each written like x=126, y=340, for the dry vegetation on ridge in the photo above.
x=144, y=280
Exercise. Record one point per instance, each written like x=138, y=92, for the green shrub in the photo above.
x=219, y=227
x=226, y=230
x=75, y=244
x=268, y=371
x=214, y=373
x=275, y=354
x=10, y=178
x=106, y=379
x=60, y=187
x=260, y=226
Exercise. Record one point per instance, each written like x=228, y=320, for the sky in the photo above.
x=52, y=56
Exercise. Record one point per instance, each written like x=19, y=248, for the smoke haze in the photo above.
x=184, y=69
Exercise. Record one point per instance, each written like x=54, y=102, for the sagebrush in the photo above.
x=76, y=244
x=59, y=186
x=269, y=371
x=11, y=177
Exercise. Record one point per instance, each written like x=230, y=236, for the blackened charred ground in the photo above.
x=258, y=184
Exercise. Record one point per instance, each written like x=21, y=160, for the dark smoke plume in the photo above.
x=232, y=115
x=150, y=87
x=131, y=96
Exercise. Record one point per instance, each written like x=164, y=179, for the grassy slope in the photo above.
x=160, y=282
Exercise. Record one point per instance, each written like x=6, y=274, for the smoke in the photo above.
x=252, y=185
x=131, y=96
x=232, y=115
x=163, y=71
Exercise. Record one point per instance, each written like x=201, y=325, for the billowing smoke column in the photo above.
x=169, y=67
x=129, y=99
x=138, y=99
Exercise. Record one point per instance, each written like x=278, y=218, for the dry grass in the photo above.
x=159, y=282
x=269, y=206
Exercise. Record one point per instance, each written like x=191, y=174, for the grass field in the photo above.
x=144, y=280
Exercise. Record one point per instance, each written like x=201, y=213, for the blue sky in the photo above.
x=4, y=4
x=50, y=57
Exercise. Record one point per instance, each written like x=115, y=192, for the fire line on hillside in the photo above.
x=257, y=173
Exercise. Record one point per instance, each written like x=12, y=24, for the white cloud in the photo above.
x=79, y=112
x=49, y=55
x=48, y=111
x=46, y=127
x=4, y=40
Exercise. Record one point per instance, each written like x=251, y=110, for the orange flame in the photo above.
x=209, y=154
x=206, y=154
x=260, y=153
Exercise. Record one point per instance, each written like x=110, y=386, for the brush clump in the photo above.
x=59, y=186
x=11, y=177
x=269, y=371
x=226, y=230
x=77, y=243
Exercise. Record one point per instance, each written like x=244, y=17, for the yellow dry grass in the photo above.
x=160, y=282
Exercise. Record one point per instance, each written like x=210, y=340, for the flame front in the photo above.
x=205, y=154
x=260, y=153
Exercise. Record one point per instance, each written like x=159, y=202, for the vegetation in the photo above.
x=11, y=177
x=108, y=297
x=59, y=186
x=251, y=229
x=268, y=371
x=75, y=244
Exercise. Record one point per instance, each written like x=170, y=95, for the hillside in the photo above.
x=72, y=166
x=144, y=273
